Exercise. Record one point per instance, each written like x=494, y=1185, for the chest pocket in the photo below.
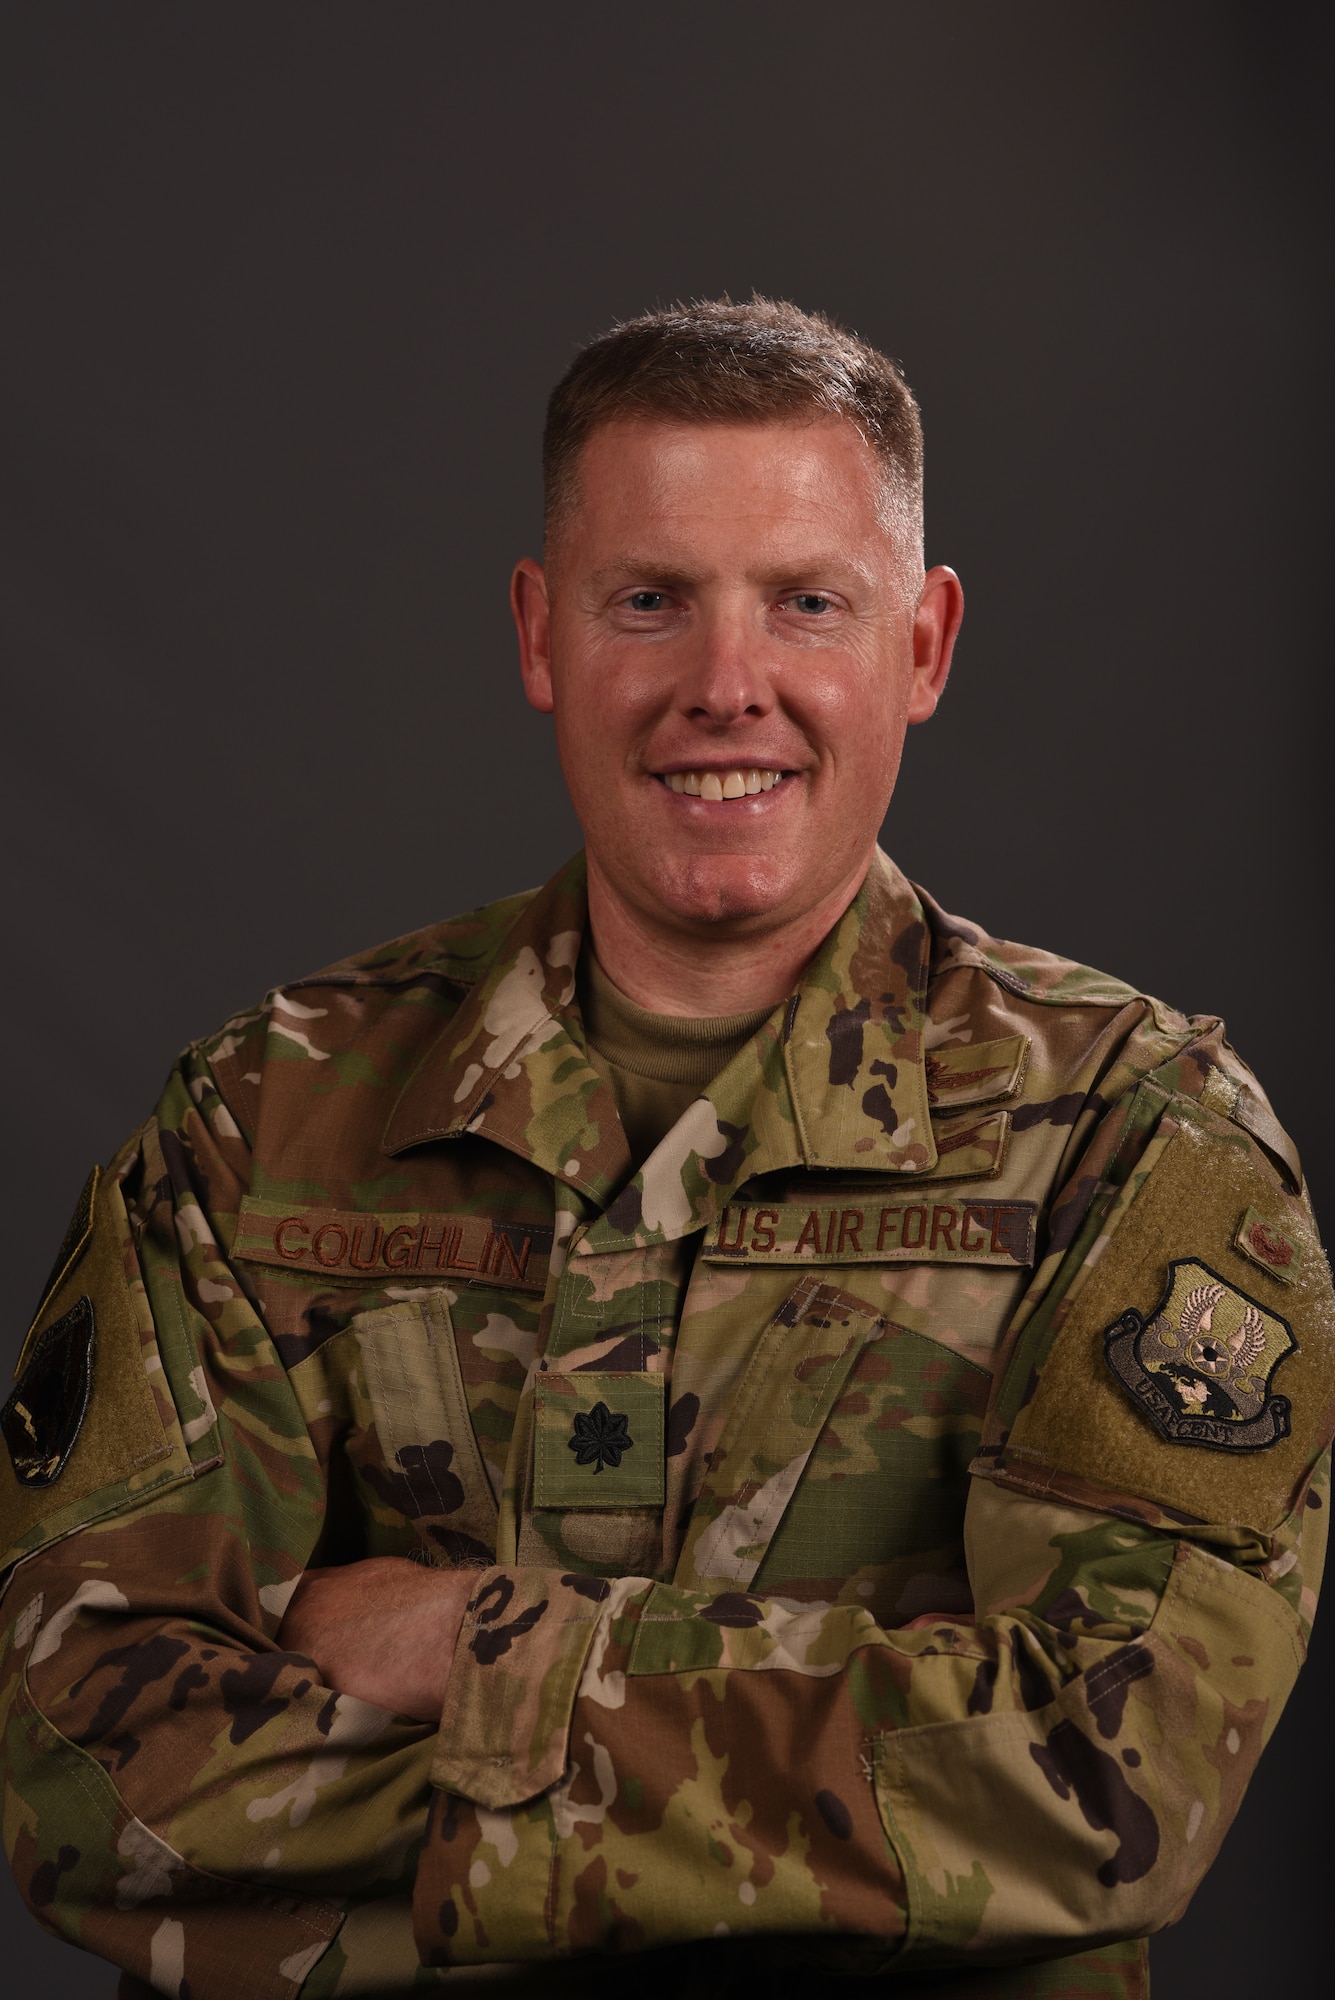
x=430, y=1468
x=793, y=1381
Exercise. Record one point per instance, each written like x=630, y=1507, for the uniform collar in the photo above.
x=511, y=1066
x=835, y=1079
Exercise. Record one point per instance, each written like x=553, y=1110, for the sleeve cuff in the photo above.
x=520, y=1657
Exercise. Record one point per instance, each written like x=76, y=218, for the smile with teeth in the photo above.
x=717, y=785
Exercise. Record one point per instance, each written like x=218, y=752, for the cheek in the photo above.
x=598, y=717
x=858, y=717
x=604, y=709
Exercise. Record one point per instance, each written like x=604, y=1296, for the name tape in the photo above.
x=346, y=1243
x=896, y=1232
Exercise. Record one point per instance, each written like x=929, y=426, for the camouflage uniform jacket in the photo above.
x=897, y=1508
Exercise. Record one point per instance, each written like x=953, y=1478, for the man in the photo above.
x=712, y=1411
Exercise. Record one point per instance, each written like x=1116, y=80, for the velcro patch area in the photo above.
x=88, y=1467
x=1171, y=1265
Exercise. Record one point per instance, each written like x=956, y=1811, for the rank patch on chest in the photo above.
x=598, y=1439
x=387, y=1249
x=926, y=1231
x=1201, y=1366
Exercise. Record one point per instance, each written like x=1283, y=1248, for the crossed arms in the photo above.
x=543, y=1763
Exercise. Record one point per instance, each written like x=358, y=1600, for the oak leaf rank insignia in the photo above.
x=600, y=1437
x=1201, y=1366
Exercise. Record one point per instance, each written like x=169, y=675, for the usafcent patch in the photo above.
x=1201, y=1366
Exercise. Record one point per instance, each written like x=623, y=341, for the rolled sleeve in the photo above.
x=519, y=1661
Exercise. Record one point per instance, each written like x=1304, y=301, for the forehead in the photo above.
x=724, y=481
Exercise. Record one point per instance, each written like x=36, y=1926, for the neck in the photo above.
x=680, y=969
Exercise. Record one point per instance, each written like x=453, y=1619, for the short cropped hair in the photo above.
x=715, y=362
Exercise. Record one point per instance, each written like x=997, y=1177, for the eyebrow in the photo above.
x=627, y=566
x=821, y=564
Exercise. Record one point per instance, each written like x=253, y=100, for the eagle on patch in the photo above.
x=1201, y=1366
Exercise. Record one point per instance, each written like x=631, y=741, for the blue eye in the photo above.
x=645, y=600
x=811, y=601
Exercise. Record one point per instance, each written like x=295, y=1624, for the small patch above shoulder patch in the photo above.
x=1200, y=1367
x=1267, y=1245
x=45, y=1413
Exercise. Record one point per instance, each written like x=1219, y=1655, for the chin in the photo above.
x=724, y=891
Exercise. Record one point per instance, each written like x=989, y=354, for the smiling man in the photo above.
x=733, y=633
x=711, y=1411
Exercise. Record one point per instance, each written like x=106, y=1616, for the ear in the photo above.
x=532, y=615
x=936, y=622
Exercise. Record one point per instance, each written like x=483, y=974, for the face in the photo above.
x=732, y=644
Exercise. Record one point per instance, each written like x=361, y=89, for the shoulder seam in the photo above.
x=433, y=942
x=1014, y=983
x=387, y=978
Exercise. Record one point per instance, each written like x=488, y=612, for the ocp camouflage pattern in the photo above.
x=872, y=1629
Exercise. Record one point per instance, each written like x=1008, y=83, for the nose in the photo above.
x=726, y=675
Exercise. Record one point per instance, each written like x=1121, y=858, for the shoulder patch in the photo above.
x=83, y=1431
x=1174, y=1335
x=45, y=1414
x=1201, y=1367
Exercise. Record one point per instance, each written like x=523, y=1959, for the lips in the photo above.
x=719, y=785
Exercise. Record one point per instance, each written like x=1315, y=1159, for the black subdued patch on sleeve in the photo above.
x=45, y=1414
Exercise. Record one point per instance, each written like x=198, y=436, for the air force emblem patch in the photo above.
x=1200, y=1368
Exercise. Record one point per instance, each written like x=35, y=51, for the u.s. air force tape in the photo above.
x=385, y=1249
x=895, y=1232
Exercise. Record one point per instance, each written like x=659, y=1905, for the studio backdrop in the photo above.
x=287, y=286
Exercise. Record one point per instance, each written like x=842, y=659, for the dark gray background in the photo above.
x=287, y=286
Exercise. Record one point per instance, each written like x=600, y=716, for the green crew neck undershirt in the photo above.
x=656, y=1064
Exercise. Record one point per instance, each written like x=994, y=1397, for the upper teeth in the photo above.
x=721, y=785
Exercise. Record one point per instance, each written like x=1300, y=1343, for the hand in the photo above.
x=383, y=1630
